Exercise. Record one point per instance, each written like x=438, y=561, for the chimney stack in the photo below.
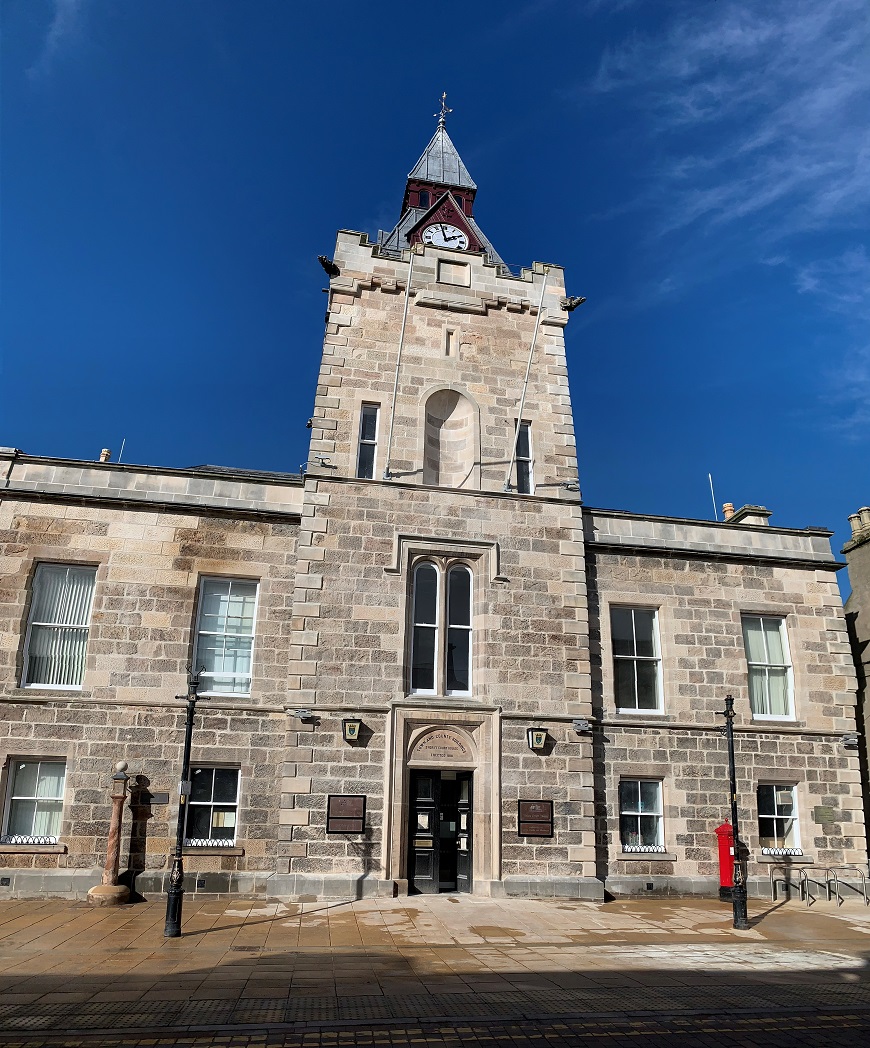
x=728, y=510
x=105, y=454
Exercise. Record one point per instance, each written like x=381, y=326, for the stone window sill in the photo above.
x=32, y=849
x=212, y=851
x=646, y=857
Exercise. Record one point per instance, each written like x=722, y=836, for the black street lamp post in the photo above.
x=738, y=892
x=175, y=891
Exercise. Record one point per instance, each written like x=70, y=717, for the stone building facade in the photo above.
x=426, y=665
x=857, y=553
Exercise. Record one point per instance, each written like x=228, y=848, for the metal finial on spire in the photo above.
x=445, y=109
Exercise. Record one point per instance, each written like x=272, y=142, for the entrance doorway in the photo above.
x=440, y=832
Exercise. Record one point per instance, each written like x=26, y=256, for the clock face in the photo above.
x=441, y=234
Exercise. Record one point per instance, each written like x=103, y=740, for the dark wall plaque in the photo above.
x=346, y=813
x=535, y=819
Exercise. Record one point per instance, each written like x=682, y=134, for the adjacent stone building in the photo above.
x=857, y=553
x=426, y=666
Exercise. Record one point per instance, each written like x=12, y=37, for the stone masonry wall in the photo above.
x=148, y=563
x=699, y=604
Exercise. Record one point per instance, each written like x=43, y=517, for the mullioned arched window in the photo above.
x=441, y=629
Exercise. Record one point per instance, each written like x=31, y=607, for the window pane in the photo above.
x=46, y=821
x=366, y=462
x=458, y=652
x=629, y=795
x=767, y=833
x=777, y=682
x=56, y=655
x=201, y=784
x=213, y=606
x=773, y=635
x=459, y=597
x=788, y=833
x=237, y=655
x=368, y=429
x=423, y=668
x=62, y=594
x=644, y=632
x=629, y=834
x=240, y=608
x=753, y=638
x=425, y=594
x=223, y=823
x=649, y=797
x=524, y=477
x=647, y=685
x=524, y=450
x=21, y=815
x=649, y=829
x=51, y=776
x=757, y=697
x=424, y=787
x=623, y=670
x=766, y=800
x=622, y=635
x=199, y=821
x=226, y=784
x=26, y=775
x=784, y=801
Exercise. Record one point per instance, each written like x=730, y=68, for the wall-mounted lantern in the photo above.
x=850, y=740
x=537, y=738
x=581, y=724
x=350, y=728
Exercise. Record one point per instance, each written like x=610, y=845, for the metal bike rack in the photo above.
x=836, y=870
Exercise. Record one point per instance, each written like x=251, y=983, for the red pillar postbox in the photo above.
x=725, y=833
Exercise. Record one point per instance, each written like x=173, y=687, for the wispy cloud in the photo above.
x=64, y=28
x=841, y=283
x=757, y=110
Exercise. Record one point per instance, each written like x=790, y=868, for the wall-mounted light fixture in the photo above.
x=537, y=738
x=350, y=727
x=304, y=715
x=849, y=741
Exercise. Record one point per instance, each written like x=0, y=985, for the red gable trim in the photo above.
x=445, y=209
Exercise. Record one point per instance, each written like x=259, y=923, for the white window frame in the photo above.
x=85, y=626
x=659, y=847
x=198, y=632
x=656, y=658
x=783, y=633
x=368, y=443
x=442, y=626
x=793, y=849
x=529, y=459
x=12, y=774
x=213, y=842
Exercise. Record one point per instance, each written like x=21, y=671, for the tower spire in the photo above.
x=445, y=109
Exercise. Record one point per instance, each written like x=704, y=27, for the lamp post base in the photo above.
x=174, y=899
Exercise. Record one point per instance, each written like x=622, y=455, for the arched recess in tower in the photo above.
x=448, y=458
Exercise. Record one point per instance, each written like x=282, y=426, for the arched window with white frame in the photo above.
x=441, y=628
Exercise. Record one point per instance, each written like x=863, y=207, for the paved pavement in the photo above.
x=434, y=970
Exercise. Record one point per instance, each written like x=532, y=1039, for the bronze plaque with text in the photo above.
x=346, y=813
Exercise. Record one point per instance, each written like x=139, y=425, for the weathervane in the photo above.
x=445, y=109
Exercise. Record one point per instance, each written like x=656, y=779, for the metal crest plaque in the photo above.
x=346, y=813
x=535, y=818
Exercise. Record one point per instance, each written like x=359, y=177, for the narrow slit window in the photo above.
x=525, y=476
x=368, y=441
x=451, y=343
x=424, y=642
x=458, y=655
x=424, y=198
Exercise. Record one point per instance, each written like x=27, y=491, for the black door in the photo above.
x=439, y=832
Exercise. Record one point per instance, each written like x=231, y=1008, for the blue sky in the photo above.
x=701, y=168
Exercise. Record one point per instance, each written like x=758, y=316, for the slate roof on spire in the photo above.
x=442, y=164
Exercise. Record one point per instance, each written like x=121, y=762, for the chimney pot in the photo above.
x=728, y=510
x=105, y=454
x=864, y=513
x=855, y=521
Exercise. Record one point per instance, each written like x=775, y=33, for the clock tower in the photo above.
x=440, y=601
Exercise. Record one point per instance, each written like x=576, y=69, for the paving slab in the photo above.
x=250, y=973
